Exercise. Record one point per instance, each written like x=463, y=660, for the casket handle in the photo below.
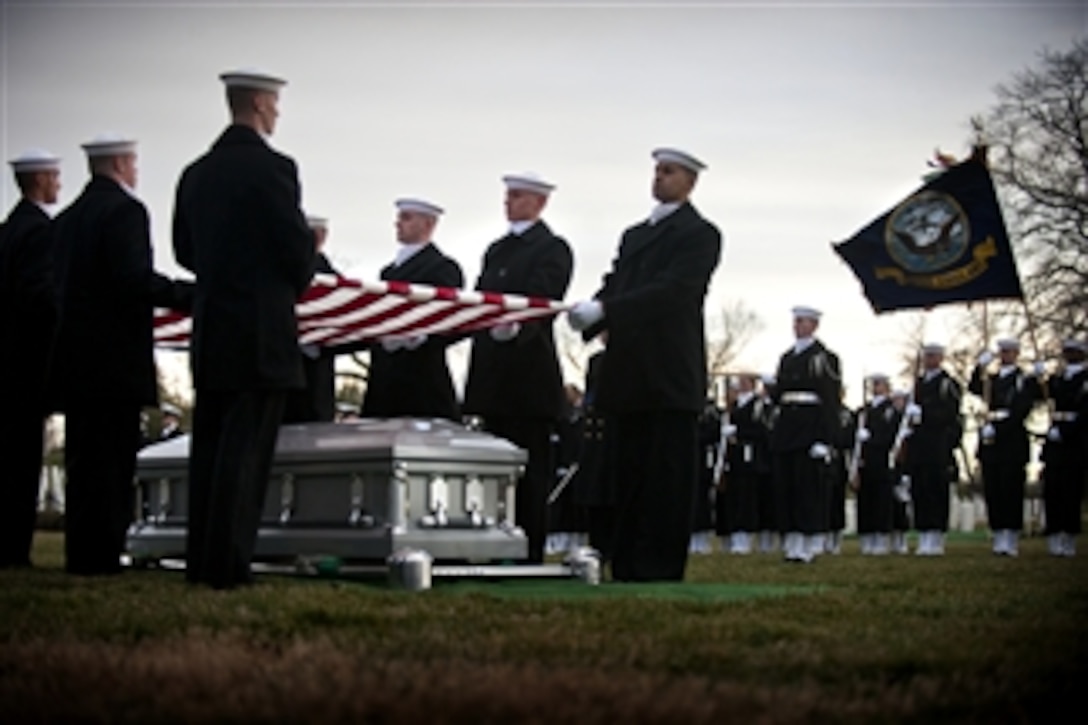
x=287, y=497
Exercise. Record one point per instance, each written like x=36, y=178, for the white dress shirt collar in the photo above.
x=407, y=251
x=802, y=344
x=1072, y=369
x=661, y=211
x=519, y=228
x=877, y=401
x=744, y=398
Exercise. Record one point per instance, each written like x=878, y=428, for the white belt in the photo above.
x=1000, y=414
x=1063, y=416
x=801, y=397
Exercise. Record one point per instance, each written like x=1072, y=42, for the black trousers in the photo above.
x=738, y=503
x=1063, y=488
x=768, y=513
x=234, y=440
x=875, y=500
x=836, y=495
x=22, y=430
x=531, y=496
x=101, y=440
x=601, y=523
x=929, y=491
x=801, y=497
x=658, y=471
x=1003, y=482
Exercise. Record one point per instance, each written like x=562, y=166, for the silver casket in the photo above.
x=358, y=492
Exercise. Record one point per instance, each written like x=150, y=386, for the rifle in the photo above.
x=855, y=455
x=723, y=444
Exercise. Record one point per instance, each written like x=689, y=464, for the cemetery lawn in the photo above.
x=964, y=638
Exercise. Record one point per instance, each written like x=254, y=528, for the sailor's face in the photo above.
x=522, y=205
x=1008, y=357
x=50, y=183
x=672, y=182
x=804, y=327
x=126, y=167
x=932, y=360
x=268, y=110
x=413, y=227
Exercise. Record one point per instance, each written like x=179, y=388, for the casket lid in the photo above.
x=394, y=439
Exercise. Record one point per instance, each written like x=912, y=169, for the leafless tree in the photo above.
x=1038, y=138
x=728, y=333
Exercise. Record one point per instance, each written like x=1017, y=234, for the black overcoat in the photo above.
x=239, y=228
x=27, y=307
x=415, y=382
x=653, y=302
x=106, y=289
x=799, y=425
x=520, y=378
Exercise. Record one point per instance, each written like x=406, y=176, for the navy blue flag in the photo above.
x=944, y=243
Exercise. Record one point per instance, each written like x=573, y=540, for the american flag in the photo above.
x=337, y=310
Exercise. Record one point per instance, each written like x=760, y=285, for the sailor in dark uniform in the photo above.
x=1065, y=453
x=409, y=376
x=901, y=503
x=747, y=463
x=316, y=403
x=1003, y=446
x=654, y=380
x=838, y=473
x=239, y=228
x=768, y=514
x=102, y=369
x=706, y=498
x=514, y=381
x=595, y=482
x=27, y=317
x=878, y=422
x=935, y=431
x=807, y=393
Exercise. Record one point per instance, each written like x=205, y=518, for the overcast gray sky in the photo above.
x=813, y=118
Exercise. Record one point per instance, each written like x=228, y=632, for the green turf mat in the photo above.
x=568, y=589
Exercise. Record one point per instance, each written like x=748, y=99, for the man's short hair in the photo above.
x=240, y=99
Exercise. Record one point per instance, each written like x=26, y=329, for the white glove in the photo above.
x=1054, y=434
x=819, y=451
x=914, y=412
x=729, y=430
x=864, y=435
x=585, y=314
x=902, y=491
x=985, y=358
x=392, y=344
x=411, y=343
x=987, y=432
x=505, y=332
x=1040, y=368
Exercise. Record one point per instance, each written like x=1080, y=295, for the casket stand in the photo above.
x=357, y=494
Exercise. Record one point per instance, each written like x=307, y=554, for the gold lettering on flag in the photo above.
x=945, y=280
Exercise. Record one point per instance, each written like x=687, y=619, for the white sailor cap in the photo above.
x=768, y=379
x=807, y=312
x=419, y=206
x=900, y=393
x=170, y=409
x=1072, y=344
x=676, y=156
x=528, y=181
x=251, y=78
x=879, y=378
x=933, y=348
x=109, y=144
x=317, y=222
x=346, y=407
x=35, y=160
x=1008, y=343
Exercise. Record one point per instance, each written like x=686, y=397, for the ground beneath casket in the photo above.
x=969, y=637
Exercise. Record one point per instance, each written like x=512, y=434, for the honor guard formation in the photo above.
x=638, y=462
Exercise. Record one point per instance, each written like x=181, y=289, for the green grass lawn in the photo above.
x=967, y=637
